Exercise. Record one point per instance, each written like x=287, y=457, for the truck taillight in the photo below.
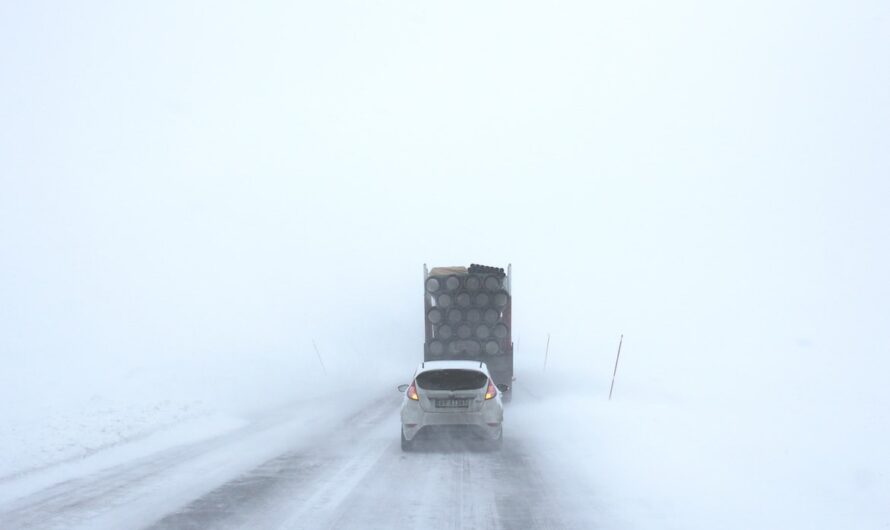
x=491, y=392
x=412, y=392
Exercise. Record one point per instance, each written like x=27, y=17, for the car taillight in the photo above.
x=492, y=390
x=412, y=392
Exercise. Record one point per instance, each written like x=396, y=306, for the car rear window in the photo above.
x=451, y=380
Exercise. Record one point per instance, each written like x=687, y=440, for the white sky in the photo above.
x=211, y=178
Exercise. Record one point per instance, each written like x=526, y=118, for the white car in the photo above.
x=452, y=393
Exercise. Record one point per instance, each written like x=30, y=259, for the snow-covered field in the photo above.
x=782, y=459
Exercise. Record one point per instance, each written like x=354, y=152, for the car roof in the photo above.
x=477, y=366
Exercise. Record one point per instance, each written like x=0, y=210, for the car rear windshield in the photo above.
x=451, y=380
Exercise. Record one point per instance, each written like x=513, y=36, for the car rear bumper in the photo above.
x=487, y=421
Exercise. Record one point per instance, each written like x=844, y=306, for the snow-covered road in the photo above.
x=349, y=473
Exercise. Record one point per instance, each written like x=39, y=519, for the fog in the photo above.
x=194, y=194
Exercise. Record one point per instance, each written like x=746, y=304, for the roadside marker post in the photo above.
x=546, y=352
x=615, y=370
x=318, y=354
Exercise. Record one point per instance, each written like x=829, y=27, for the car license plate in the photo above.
x=452, y=403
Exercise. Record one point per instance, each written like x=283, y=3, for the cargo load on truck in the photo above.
x=468, y=316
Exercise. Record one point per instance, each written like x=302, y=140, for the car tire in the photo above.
x=498, y=443
x=407, y=445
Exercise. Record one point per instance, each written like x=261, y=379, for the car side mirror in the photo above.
x=402, y=388
x=503, y=387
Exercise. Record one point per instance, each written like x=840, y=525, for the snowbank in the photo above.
x=774, y=457
x=53, y=434
x=53, y=418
